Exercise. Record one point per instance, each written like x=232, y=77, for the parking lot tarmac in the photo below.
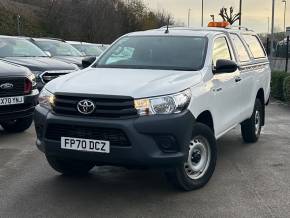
x=251, y=180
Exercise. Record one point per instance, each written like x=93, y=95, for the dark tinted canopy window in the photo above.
x=16, y=47
x=156, y=52
x=255, y=46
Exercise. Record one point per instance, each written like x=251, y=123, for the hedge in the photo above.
x=286, y=88
x=280, y=85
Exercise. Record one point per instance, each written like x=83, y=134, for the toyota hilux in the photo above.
x=159, y=98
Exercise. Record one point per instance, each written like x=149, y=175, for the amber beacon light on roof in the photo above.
x=222, y=24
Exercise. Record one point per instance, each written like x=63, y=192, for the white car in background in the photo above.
x=88, y=49
x=103, y=46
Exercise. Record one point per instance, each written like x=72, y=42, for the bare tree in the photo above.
x=231, y=18
x=102, y=20
x=99, y=21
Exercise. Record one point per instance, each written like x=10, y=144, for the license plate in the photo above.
x=89, y=145
x=11, y=100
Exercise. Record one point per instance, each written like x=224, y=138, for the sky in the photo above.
x=255, y=12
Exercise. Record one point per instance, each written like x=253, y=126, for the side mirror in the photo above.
x=86, y=62
x=225, y=66
x=48, y=53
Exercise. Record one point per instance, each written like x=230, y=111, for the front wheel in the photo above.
x=201, y=162
x=18, y=125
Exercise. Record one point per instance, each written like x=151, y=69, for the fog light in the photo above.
x=167, y=143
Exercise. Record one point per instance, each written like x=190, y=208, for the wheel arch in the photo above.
x=261, y=97
x=206, y=118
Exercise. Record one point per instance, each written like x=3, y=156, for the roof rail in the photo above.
x=58, y=39
x=172, y=26
x=239, y=28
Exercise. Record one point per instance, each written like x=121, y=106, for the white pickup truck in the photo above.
x=159, y=98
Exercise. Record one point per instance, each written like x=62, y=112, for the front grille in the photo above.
x=17, y=89
x=15, y=108
x=105, y=106
x=116, y=137
x=47, y=76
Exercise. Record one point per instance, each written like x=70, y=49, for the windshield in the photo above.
x=16, y=47
x=58, y=48
x=156, y=52
x=89, y=50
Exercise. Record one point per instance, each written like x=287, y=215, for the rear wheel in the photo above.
x=18, y=125
x=68, y=166
x=198, y=169
x=251, y=128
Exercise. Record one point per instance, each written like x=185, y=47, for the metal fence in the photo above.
x=281, y=61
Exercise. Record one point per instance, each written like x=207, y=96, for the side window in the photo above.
x=221, y=50
x=255, y=46
x=240, y=48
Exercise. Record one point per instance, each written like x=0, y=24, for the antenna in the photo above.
x=167, y=27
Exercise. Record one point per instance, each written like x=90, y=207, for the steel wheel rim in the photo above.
x=257, y=123
x=198, y=158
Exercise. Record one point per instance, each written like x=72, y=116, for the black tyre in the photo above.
x=18, y=125
x=198, y=169
x=69, y=167
x=251, y=128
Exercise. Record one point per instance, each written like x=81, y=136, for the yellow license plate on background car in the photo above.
x=89, y=145
x=11, y=100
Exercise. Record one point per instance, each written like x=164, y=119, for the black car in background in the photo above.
x=18, y=97
x=60, y=49
x=22, y=52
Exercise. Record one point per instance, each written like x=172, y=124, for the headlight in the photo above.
x=37, y=73
x=76, y=67
x=32, y=78
x=168, y=104
x=46, y=99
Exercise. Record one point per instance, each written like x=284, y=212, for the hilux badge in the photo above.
x=6, y=86
x=86, y=107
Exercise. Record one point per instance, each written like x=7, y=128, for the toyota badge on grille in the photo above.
x=86, y=107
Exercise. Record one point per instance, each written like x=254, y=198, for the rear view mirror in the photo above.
x=225, y=66
x=86, y=62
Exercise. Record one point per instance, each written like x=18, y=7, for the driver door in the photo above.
x=225, y=89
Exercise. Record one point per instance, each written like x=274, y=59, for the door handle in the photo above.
x=217, y=89
x=238, y=79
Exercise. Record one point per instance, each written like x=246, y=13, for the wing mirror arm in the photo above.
x=86, y=62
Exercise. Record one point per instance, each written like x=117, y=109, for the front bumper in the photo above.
x=146, y=135
x=22, y=110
